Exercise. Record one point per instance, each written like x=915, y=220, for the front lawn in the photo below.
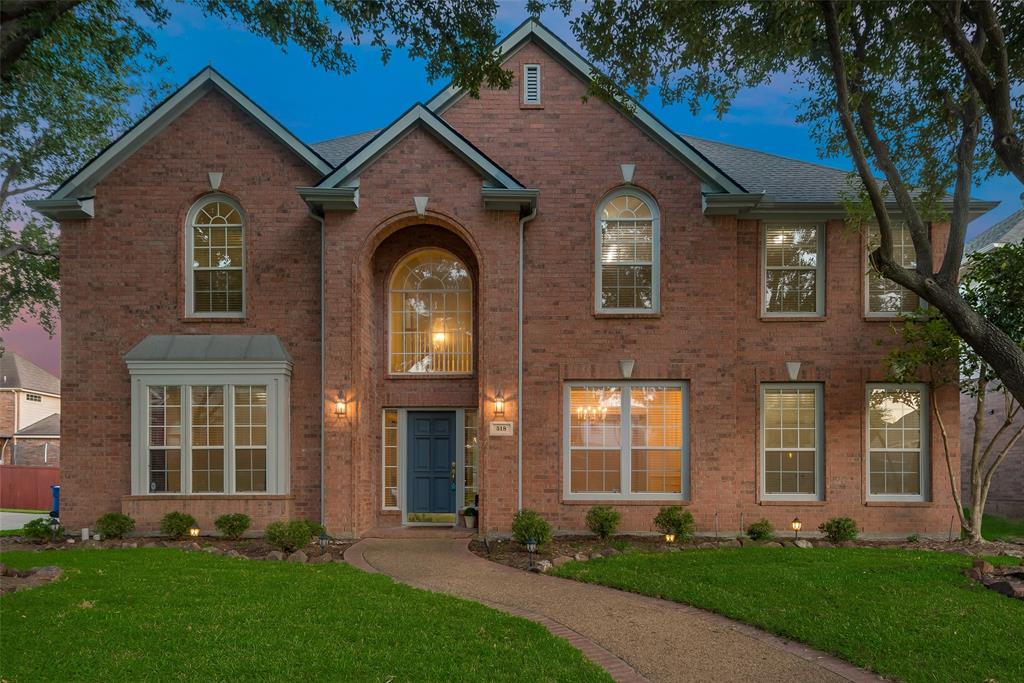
x=995, y=528
x=908, y=615
x=161, y=614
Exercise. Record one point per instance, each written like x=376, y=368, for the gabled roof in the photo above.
x=533, y=30
x=17, y=372
x=1010, y=230
x=48, y=426
x=70, y=200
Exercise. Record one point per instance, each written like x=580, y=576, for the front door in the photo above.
x=431, y=467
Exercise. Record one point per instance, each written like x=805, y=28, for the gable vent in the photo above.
x=531, y=84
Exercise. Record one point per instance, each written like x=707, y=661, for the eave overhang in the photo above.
x=63, y=209
x=321, y=199
x=763, y=206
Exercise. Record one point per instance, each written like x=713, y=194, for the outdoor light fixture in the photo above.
x=193, y=531
x=531, y=547
x=499, y=404
x=323, y=540
x=670, y=538
x=340, y=406
x=54, y=528
x=796, y=525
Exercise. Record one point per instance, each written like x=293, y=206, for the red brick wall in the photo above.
x=1006, y=495
x=122, y=279
x=7, y=422
x=34, y=452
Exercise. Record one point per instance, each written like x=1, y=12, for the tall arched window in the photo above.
x=628, y=243
x=431, y=297
x=215, y=258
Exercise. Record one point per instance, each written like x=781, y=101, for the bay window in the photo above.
x=625, y=440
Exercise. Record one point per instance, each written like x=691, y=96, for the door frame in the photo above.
x=460, y=460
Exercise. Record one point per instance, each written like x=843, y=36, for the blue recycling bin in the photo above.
x=55, y=492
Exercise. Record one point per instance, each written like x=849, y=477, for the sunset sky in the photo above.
x=316, y=105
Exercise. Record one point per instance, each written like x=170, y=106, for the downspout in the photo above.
x=519, y=355
x=323, y=371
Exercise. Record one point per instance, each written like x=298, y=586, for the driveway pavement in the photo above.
x=16, y=520
x=634, y=637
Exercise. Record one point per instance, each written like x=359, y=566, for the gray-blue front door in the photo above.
x=431, y=461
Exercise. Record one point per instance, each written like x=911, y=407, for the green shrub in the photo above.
x=176, y=524
x=38, y=530
x=603, y=521
x=674, y=520
x=761, y=530
x=114, y=525
x=913, y=538
x=234, y=525
x=839, y=529
x=527, y=524
x=290, y=536
x=469, y=512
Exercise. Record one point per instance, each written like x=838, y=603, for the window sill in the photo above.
x=212, y=319
x=431, y=375
x=626, y=314
x=791, y=503
x=883, y=318
x=626, y=501
x=208, y=496
x=793, y=318
x=530, y=106
x=898, y=503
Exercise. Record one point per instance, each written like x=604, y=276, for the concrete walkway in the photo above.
x=634, y=637
x=16, y=520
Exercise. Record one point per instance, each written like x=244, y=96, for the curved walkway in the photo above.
x=634, y=637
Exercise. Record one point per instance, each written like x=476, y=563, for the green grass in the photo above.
x=1000, y=528
x=41, y=512
x=907, y=615
x=162, y=614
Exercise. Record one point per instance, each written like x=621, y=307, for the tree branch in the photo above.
x=953, y=480
x=949, y=273
x=28, y=249
x=22, y=23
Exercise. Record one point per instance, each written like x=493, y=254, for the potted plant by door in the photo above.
x=469, y=514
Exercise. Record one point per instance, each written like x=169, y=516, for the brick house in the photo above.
x=29, y=413
x=521, y=300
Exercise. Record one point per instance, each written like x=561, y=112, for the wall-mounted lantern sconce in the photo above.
x=499, y=404
x=341, y=406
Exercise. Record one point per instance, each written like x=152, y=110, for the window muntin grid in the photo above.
x=793, y=265
x=217, y=259
x=656, y=415
x=250, y=437
x=389, y=473
x=471, y=461
x=207, y=433
x=897, y=441
x=791, y=444
x=627, y=253
x=431, y=315
x=595, y=439
x=164, y=438
x=885, y=297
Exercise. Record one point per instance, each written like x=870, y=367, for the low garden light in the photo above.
x=324, y=540
x=531, y=547
x=670, y=538
x=193, y=531
x=54, y=528
x=796, y=525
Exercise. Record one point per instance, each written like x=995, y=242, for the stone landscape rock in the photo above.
x=731, y=543
x=276, y=555
x=581, y=557
x=321, y=559
x=233, y=553
x=192, y=547
x=544, y=566
x=1011, y=588
x=298, y=557
x=773, y=544
x=983, y=566
x=608, y=552
x=560, y=560
x=151, y=545
x=706, y=546
x=824, y=544
x=801, y=543
x=213, y=550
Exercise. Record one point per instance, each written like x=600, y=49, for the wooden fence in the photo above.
x=27, y=487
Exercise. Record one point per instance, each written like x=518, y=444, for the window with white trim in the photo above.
x=625, y=440
x=792, y=446
x=35, y=398
x=471, y=461
x=196, y=432
x=794, y=270
x=389, y=492
x=531, y=83
x=628, y=246
x=215, y=248
x=897, y=441
x=885, y=298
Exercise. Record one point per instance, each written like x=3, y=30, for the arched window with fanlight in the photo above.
x=431, y=315
x=215, y=258
x=628, y=243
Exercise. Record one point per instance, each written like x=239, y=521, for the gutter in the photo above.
x=323, y=368
x=519, y=357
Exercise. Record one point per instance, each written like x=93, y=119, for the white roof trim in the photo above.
x=533, y=29
x=84, y=182
x=347, y=174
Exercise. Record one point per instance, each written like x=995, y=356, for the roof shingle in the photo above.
x=17, y=372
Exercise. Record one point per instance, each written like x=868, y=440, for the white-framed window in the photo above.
x=210, y=430
x=883, y=297
x=389, y=461
x=626, y=440
x=471, y=461
x=431, y=315
x=215, y=258
x=628, y=253
x=531, y=83
x=793, y=276
x=792, y=441
x=898, y=466
x=35, y=398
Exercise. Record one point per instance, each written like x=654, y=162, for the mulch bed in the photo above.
x=508, y=552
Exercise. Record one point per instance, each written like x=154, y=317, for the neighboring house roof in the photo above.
x=1010, y=230
x=48, y=426
x=17, y=372
x=209, y=347
x=73, y=199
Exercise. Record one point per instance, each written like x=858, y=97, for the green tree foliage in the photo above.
x=993, y=284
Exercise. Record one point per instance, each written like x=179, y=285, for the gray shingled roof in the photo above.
x=336, y=150
x=209, y=347
x=1009, y=230
x=48, y=426
x=17, y=372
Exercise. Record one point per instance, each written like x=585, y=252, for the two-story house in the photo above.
x=522, y=300
x=29, y=413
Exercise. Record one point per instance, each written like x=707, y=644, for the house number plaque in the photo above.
x=501, y=429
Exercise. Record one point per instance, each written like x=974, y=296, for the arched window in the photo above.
x=215, y=258
x=431, y=297
x=627, y=253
